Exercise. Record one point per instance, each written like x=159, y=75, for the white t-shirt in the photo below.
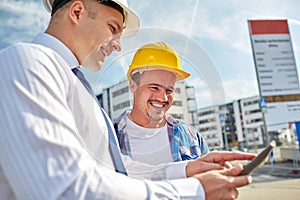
x=149, y=145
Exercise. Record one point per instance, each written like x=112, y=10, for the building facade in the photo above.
x=236, y=125
x=233, y=125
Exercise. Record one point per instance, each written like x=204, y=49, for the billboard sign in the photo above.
x=276, y=72
x=274, y=59
x=281, y=113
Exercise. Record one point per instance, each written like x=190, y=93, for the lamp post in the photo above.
x=222, y=120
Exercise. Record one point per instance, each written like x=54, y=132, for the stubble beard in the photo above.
x=156, y=116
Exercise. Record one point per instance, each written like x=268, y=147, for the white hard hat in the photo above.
x=131, y=21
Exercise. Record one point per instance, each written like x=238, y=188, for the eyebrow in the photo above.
x=158, y=85
x=119, y=27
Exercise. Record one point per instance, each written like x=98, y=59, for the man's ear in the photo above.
x=133, y=86
x=76, y=10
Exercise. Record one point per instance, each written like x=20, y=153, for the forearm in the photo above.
x=90, y=187
x=103, y=183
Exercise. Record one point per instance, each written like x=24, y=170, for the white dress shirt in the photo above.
x=53, y=138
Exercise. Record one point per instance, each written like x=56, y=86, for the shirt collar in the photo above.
x=57, y=46
x=171, y=121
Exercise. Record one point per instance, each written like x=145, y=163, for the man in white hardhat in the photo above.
x=54, y=135
x=131, y=19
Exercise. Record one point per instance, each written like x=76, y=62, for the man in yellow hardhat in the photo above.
x=147, y=133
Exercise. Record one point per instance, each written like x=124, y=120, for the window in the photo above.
x=177, y=103
x=177, y=90
x=120, y=91
x=122, y=105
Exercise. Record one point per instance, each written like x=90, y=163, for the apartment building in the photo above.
x=252, y=121
x=234, y=125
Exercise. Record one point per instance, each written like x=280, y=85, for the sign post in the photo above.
x=263, y=106
x=297, y=124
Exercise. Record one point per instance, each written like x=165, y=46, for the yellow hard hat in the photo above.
x=159, y=55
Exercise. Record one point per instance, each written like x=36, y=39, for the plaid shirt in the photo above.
x=185, y=141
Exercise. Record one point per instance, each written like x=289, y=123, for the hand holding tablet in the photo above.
x=258, y=161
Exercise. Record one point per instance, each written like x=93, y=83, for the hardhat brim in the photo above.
x=180, y=74
x=132, y=21
x=47, y=5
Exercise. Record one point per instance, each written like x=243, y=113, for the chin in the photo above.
x=156, y=118
x=96, y=67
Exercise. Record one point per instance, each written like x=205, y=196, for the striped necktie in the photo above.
x=119, y=166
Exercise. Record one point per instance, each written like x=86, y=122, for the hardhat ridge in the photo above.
x=159, y=55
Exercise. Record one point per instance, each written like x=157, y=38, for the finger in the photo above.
x=238, y=181
x=198, y=166
x=222, y=156
x=228, y=165
x=234, y=171
x=211, y=166
x=236, y=194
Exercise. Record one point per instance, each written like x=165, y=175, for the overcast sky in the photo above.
x=211, y=36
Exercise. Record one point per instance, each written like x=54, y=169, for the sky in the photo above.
x=211, y=37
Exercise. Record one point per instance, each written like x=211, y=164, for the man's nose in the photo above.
x=162, y=95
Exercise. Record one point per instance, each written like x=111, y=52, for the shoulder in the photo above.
x=184, y=128
x=185, y=125
x=27, y=48
x=120, y=118
x=35, y=62
x=35, y=54
x=181, y=126
x=120, y=121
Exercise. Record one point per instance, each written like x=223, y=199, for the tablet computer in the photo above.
x=258, y=160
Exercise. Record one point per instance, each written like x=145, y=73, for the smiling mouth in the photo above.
x=105, y=53
x=157, y=105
